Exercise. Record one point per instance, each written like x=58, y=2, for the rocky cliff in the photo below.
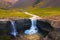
x=24, y=24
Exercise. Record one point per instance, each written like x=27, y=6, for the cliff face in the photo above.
x=26, y=3
x=23, y=24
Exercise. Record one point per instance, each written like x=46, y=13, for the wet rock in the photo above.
x=3, y=27
x=4, y=30
x=44, y=27
x=23, y=24
x=54, y=34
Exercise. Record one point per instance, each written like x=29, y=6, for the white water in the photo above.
x=33, y=29
x=14, y=32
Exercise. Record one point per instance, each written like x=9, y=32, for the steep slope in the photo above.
x=7, y=3
x=27, y=3
x=20, y=3
x=49, y=3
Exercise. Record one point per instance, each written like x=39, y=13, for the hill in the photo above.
x=27, y=3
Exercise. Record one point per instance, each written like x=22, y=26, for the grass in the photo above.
x=12, y=13
x=44, y=12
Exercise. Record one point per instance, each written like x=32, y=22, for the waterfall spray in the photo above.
x=33, y=29
x=13, y=32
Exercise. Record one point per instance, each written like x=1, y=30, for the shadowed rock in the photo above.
x=3, y=27
x=44, y=27
x=23, y=24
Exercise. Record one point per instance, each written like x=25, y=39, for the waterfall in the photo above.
x=33, y=29
x=13, y=26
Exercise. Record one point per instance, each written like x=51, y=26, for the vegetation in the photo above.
x=12, y=13
x=44, y=12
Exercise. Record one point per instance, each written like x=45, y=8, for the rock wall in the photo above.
x=44, y=27
x=23, y=24
x=3, y=27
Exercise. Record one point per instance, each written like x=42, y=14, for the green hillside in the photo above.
x=12, y=13
x=44, y=12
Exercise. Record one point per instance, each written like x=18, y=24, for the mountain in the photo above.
x=49, y=3
x=7, y=3
x=27, y=3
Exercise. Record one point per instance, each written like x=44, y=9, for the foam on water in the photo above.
x=33, y=29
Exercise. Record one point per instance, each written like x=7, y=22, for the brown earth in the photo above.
x=54, y=20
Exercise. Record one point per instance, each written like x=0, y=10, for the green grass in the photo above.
x=44, y=12
x=12, y=13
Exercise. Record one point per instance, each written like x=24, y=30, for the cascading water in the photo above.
x=33, y=29
x=13, y=32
